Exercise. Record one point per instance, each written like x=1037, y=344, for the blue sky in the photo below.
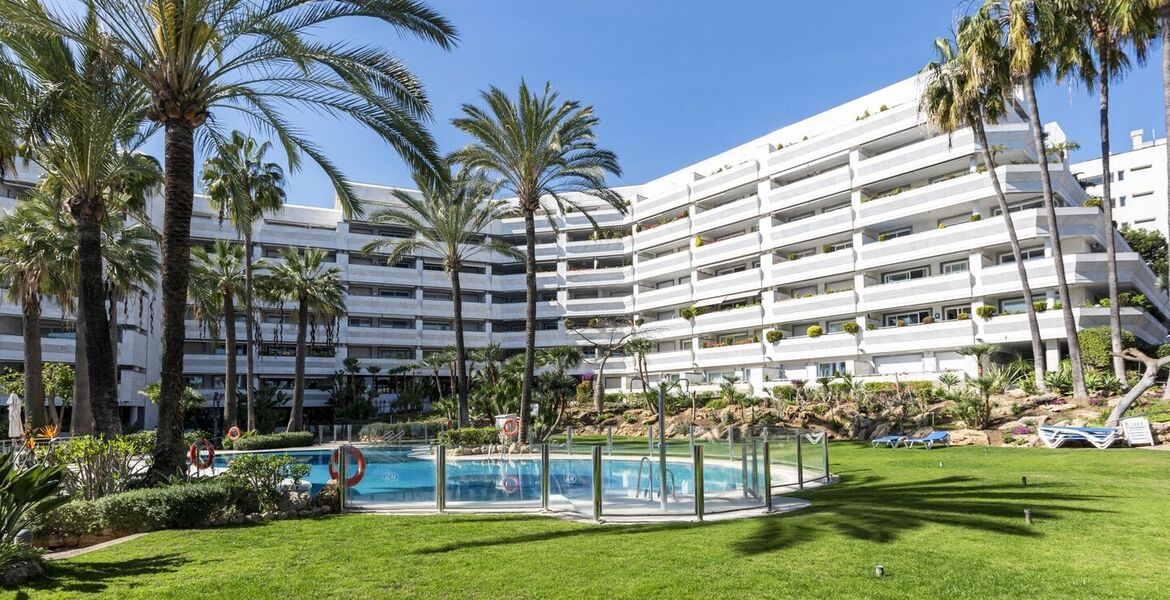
x=674, y=82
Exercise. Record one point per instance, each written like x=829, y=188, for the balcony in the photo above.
x=811, y=228
x=927, y=290
x=544, y=280
x=829, y=264
x=954, y=194
x=749, y=354
x=592, y=248
x=605, y=217
x=447, y=338
x=726, y=179
x=678, y=262
x=829, y=345
x=727, y=214
x=812, y=308
x=515, y=339
x=842, y=139
x=381, y=336
x=750, y=317
x=744, y=245
x=916, y=338
x=798, y=192
x=667, y=328
x=673, y=231
x=594, y=277
x=518, y=310
x=661, y=202
x=937, y=150
x=592, y=306
x=680, y=360
x=376, y=305
x=381, y=273
x=657, y=298
x=734, y=283
x=1080, y=269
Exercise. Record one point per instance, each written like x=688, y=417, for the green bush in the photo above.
x=469, y=436
x=254, y=441
x=262, y=473
x=71, y=520
x=1095, y=346
x=850, y=327
x=95, y=466
x=717, y=404
x=814, y=331
x=773, y=336
x=179, y=506
x=986, y=311
x=785, y=393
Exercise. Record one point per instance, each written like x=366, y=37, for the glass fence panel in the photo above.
x=812, y=454
x=493, y=479
x=733, y=473
x=395, y=477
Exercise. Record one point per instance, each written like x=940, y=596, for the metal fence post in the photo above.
x=756, y=465
x=544, y=465
x=569, y=440
x=349, y=432
x=597, y=491
x=730, y=443
x=825, y=452
x=799, y=461
x=691, y=435
x=441, y=478
x=697, y=454
x=342, y=475
x=649, y=440
x=609, y=439
x=335, y=432
x=768, y=475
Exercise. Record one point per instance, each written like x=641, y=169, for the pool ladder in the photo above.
x=649, y=464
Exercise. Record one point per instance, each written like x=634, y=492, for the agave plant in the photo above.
x=26, y=492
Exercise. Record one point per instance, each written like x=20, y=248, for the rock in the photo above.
x=21, y=571
x=1059, y=408
x=879, y=431
x=1017, y=394
x=969, y=437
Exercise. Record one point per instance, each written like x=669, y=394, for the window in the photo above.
x=361, y=290
x=473, y=297
x=546, y=325
x=840, y=246
x=396, y=323
x=730, y=270
x=361, y=229
x=361, y=322
x=955, y=220
x=396, y=353
x=1012, y=306
x=473, y=269
x=896, y=233
x=804, y=292
x=910, y=318
x=956, y=266
x=907, y=275
x=831, y=369
x=837, y=326
x=1026, y=253
x=687, y=344
x=195, y=381
x=844, y=285
x=437, y=295
x=396, y=292
x=432, y=266
x=718, y=377
x=436, y=325
x=1038, y=203
x=803, y=253
x=951, y=313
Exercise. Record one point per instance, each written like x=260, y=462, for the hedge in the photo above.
x=288, y=439
x=1096, y=347
x=469, y=436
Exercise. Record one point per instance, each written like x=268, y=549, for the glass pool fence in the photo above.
x=698, y=471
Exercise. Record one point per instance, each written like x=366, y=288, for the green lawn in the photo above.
x=953, y=530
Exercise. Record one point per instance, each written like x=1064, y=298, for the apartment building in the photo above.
x=858, y=241
x=1137, y=182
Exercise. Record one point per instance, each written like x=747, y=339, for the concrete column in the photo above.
x=1052, y=355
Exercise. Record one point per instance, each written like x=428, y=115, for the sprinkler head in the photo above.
x=879, y=571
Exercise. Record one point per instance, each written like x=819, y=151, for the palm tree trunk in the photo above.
x=178, y=194
x=250, y=324
x=81, y=419
x=1038, y=358
x=1110, y=241
x=295, y=419
x=34, y=377
x=460, y=350
x=92, y=302
x=1166, y=116
x=529, y=321
x=1070, y=327
x=230, y=412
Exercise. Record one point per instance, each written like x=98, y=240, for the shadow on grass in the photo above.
x=864, y=507
x=94, y=577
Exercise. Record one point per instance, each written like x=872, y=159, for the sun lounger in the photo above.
x=889, y=441
x=1055, y=436
x=935, y=437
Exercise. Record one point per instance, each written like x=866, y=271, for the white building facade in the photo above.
x=861, y=222
x=1137, y=183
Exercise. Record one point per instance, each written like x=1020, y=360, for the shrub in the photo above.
x=275, y=441
x=784, y=393
x=70, y=520
x=773, y=336
x=976, y=217
x=1040, y=306
x=1058, y=381
x=793, y=256
x=26, y=493
x=870, y=325
x=263, y=473
x=698, y=241
x=962, y=316
x=1093, y=201
x=179, y=506
x=850, y=327
x=716, y=404
x=986, y=311
x=814, y=331
x=469, y=436
x=688, y=312
x=96, y=466
x=12, y=553
x=900, y=323
x=1096, y=347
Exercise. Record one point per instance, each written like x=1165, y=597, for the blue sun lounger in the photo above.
x=935, y=437
x=889, y=441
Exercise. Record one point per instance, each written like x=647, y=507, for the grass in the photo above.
x=944, y=523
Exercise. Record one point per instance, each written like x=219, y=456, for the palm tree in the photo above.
x=255, y=59
x=1028, y=34
x=951, y=99
x=1103, y=30
x=556, y=386
x=449, y=219
x=980, y=351
x=243, y=187
x=639, y=348
x=217, y=279
x=318, y=292
x=34, y=246
x=436, y=361
x=540, y=147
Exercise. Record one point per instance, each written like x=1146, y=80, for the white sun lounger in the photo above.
x=1054, y=436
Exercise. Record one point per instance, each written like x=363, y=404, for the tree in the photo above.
x=640, y=347
x=540, y=147
x=255, y=59
x=242, y=187
x=607, y=336
x=1149, y=375
x=980, y=352
x=449, y=218
x=301, y=277
x=1150, y=244
x=217, y=280
x=952, y=98
x=1028, y=33
x=1102, y=31
x=81, y=115
x=34, y=245
x=556, y=387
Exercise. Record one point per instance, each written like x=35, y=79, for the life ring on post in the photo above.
x=510, y=484
x=193, y=454
x=359, y=461
x=233, y=434
x=510, y=427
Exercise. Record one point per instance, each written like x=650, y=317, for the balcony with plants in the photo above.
x=664, y=228
x=726, y=243
x=724, y=177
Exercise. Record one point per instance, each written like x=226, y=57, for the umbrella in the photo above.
x=15, y=422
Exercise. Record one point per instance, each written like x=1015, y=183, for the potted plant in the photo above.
x=850, y=327
x=698, y=241
x=900, y=323
x=927, y=320
x=773, y=336
x=962, y=316
x=870, y=325
x=814, y=331
x=976, y=217
x=793, y=256
x=986, y=311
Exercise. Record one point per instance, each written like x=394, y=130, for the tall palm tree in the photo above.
x=243, y=187
x=34, y=246
x=217, y=279
x=449, y=219
x=318, y=291
x=82, y=116
x=951, y=99
x=130, y=257
x=1103, y=31
x=540, y=147
x=256, y=59
x=980, y=352
x=1028, y=33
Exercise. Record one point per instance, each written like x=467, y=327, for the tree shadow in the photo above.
x=94, y=577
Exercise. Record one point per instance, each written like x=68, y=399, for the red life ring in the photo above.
x=510, y=484
x=193, y=454
x=233, y=434
x=510, y=427
x=357, y=458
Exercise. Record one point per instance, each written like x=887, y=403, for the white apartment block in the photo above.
x=860, y=215
x=1137, y=183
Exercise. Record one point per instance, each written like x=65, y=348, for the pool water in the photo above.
x=407, y=475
